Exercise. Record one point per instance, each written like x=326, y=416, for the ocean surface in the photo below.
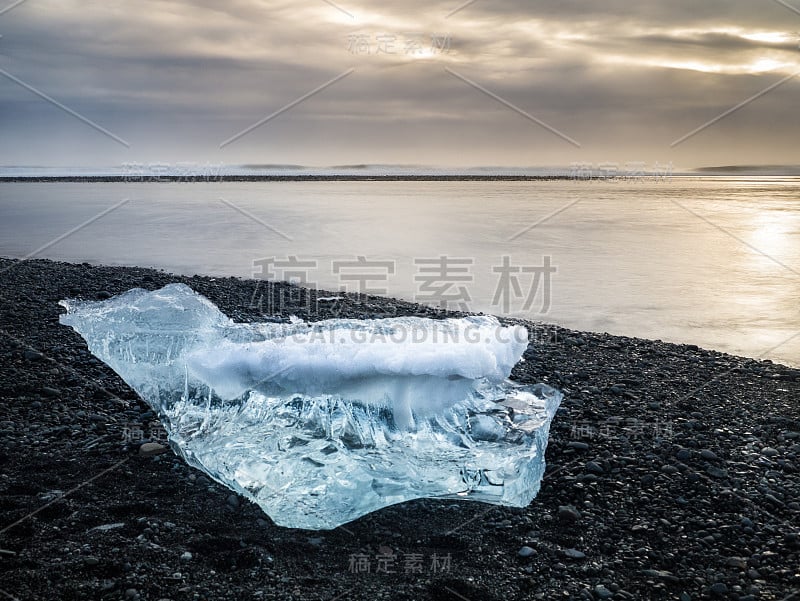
x=712, y=261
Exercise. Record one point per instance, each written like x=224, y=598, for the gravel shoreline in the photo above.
x=673, y=473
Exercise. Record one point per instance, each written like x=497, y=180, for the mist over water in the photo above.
x=708, y=261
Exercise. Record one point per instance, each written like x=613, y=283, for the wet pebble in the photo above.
x=150, y=449
x=594, y=467
x=31, y=355
x=568, y=513
x=719, y=589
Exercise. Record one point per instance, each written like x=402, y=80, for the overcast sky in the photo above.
x=499, y=82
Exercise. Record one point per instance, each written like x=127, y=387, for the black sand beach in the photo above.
x=673, y=473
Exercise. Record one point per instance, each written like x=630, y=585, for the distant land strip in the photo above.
x=274, y=178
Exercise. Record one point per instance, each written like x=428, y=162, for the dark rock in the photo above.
x=150, y=449
x=737, y=562
x=719, y=588
x=577, y=445
x=662, y=575
x=447, y=589
x=568, y=513
x=32, y=356
x=594, y=468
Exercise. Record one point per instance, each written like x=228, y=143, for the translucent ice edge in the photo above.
x=320, y=423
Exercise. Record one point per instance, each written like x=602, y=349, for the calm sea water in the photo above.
x=708, y=261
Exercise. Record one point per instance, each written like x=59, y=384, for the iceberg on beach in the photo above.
x=320, y=423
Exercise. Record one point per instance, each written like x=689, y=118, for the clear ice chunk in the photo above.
x=320, y=423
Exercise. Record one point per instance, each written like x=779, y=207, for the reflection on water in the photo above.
x=773, y=233
x=714, y=262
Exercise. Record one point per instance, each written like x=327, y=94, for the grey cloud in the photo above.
x=176, y=78
x=713, y=40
